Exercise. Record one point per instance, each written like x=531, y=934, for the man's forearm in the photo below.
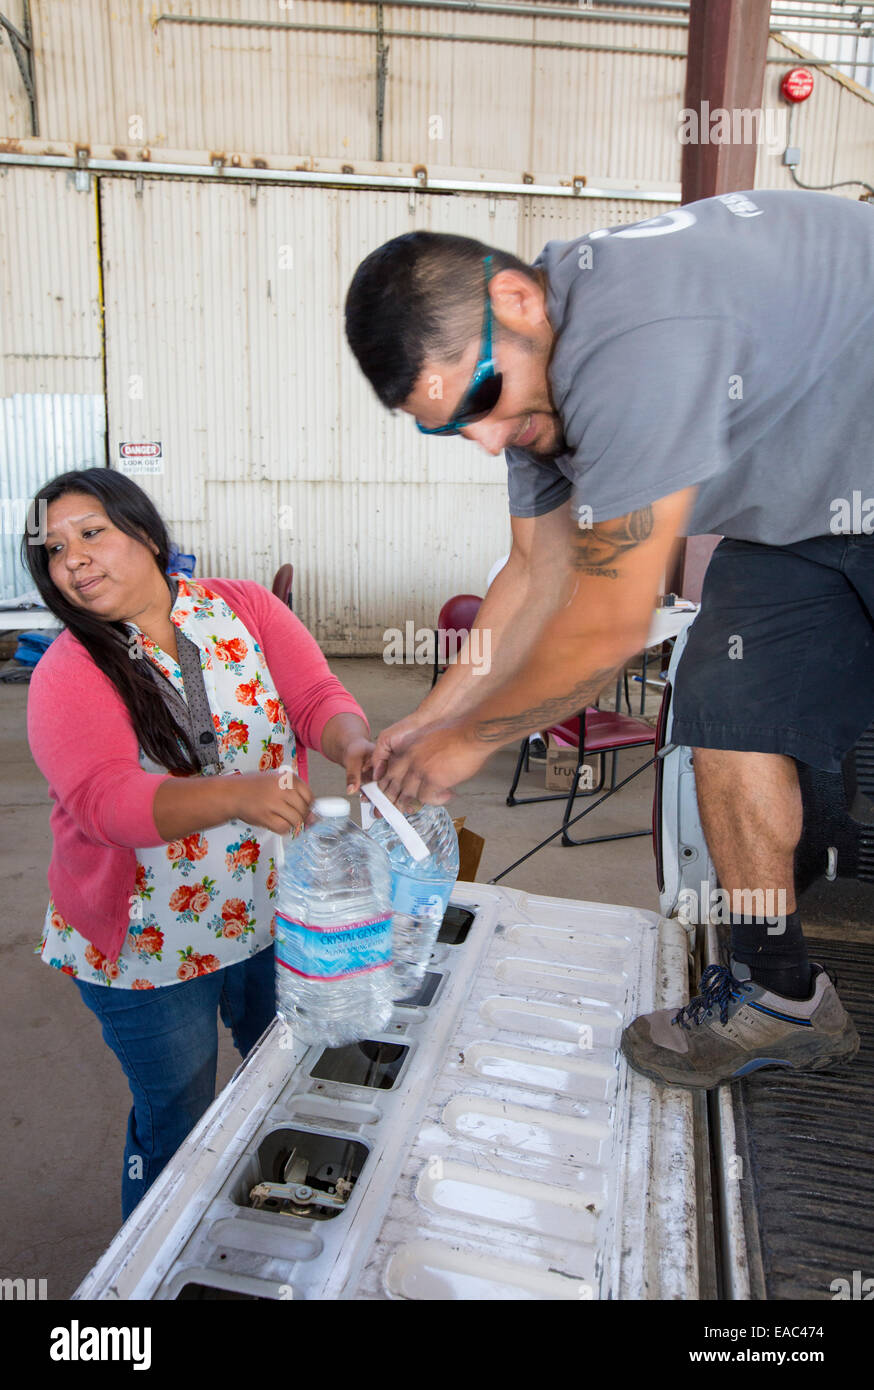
x=561, y=676
x=509, y=621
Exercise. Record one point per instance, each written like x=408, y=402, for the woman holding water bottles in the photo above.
x=170, y=719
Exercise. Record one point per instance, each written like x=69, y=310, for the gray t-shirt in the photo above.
x=728, y=344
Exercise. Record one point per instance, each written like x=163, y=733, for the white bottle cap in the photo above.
x=331, y=806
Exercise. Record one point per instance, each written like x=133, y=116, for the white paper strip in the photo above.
x=410, y=838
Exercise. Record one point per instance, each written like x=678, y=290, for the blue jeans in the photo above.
x=167, y=1042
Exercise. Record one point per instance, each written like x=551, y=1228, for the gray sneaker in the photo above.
x=734, y=1026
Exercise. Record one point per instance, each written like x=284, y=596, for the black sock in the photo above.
x=779, y=962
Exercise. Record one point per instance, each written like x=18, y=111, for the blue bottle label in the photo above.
x=333, y=953
x=418, y=897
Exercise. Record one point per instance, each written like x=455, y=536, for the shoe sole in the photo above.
x=822, y=1062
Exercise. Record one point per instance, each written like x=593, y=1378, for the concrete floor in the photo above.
x=65, y=1099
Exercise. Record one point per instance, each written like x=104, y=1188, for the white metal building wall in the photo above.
x=834, y=129
x=125, y=76
x=599, y=113
x=225, y=342
x=224, y=304
x=51, y=370
x=108, y=72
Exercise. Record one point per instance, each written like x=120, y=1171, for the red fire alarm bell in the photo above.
x=797, y=85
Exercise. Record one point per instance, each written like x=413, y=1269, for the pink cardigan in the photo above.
x=84, y=743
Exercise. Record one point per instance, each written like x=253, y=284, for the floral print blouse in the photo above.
x=205, y=901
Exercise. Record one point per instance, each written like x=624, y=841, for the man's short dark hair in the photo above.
x=417, y=298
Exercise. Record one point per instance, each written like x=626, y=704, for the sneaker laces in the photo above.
x=718, y=989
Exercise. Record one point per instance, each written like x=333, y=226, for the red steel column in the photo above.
x=725, y=68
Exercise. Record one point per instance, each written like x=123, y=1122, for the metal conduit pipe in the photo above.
x=588, y=10
x=844, y=10
x=376, y=32
x=496, y=39
x=451, y=6
x=592, y=10
x=676, y=19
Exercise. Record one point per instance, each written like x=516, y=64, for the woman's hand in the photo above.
x=278, y=800
x=346, y=740
x=357, y=760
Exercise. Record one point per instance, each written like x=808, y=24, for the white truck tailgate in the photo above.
x=508, y=1153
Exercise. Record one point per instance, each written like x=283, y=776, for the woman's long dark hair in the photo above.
x=108, y=643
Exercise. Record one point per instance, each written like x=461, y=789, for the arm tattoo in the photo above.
x=598, y=545
x=541, y=716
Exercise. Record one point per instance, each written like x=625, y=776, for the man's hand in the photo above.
x=619, y=566
x=424, y=764
x=395, y=739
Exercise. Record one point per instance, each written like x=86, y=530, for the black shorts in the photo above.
x=780, y=658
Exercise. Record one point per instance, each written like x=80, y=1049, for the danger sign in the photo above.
x=147, y=457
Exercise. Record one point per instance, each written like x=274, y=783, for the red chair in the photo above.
x=282, y=583
x=598, y=732
x=456, y=617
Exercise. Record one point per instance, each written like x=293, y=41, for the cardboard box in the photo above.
x=470, y=849
x=560, y=767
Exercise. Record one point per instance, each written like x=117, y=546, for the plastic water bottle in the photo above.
x=333, y=931
x=420, y=891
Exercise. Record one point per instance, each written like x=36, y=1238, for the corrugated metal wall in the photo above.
x=52, y=413
x=225, y=343
x=121, y=75
x=224, y=303
x=509, y=107
x=131, y=75
x=834, y=129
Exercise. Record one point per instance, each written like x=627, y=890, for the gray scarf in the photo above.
x=192, y=713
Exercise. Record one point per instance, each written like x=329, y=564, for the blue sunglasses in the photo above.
x=484, y=391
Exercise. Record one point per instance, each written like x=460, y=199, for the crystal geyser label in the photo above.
x=333, y=953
